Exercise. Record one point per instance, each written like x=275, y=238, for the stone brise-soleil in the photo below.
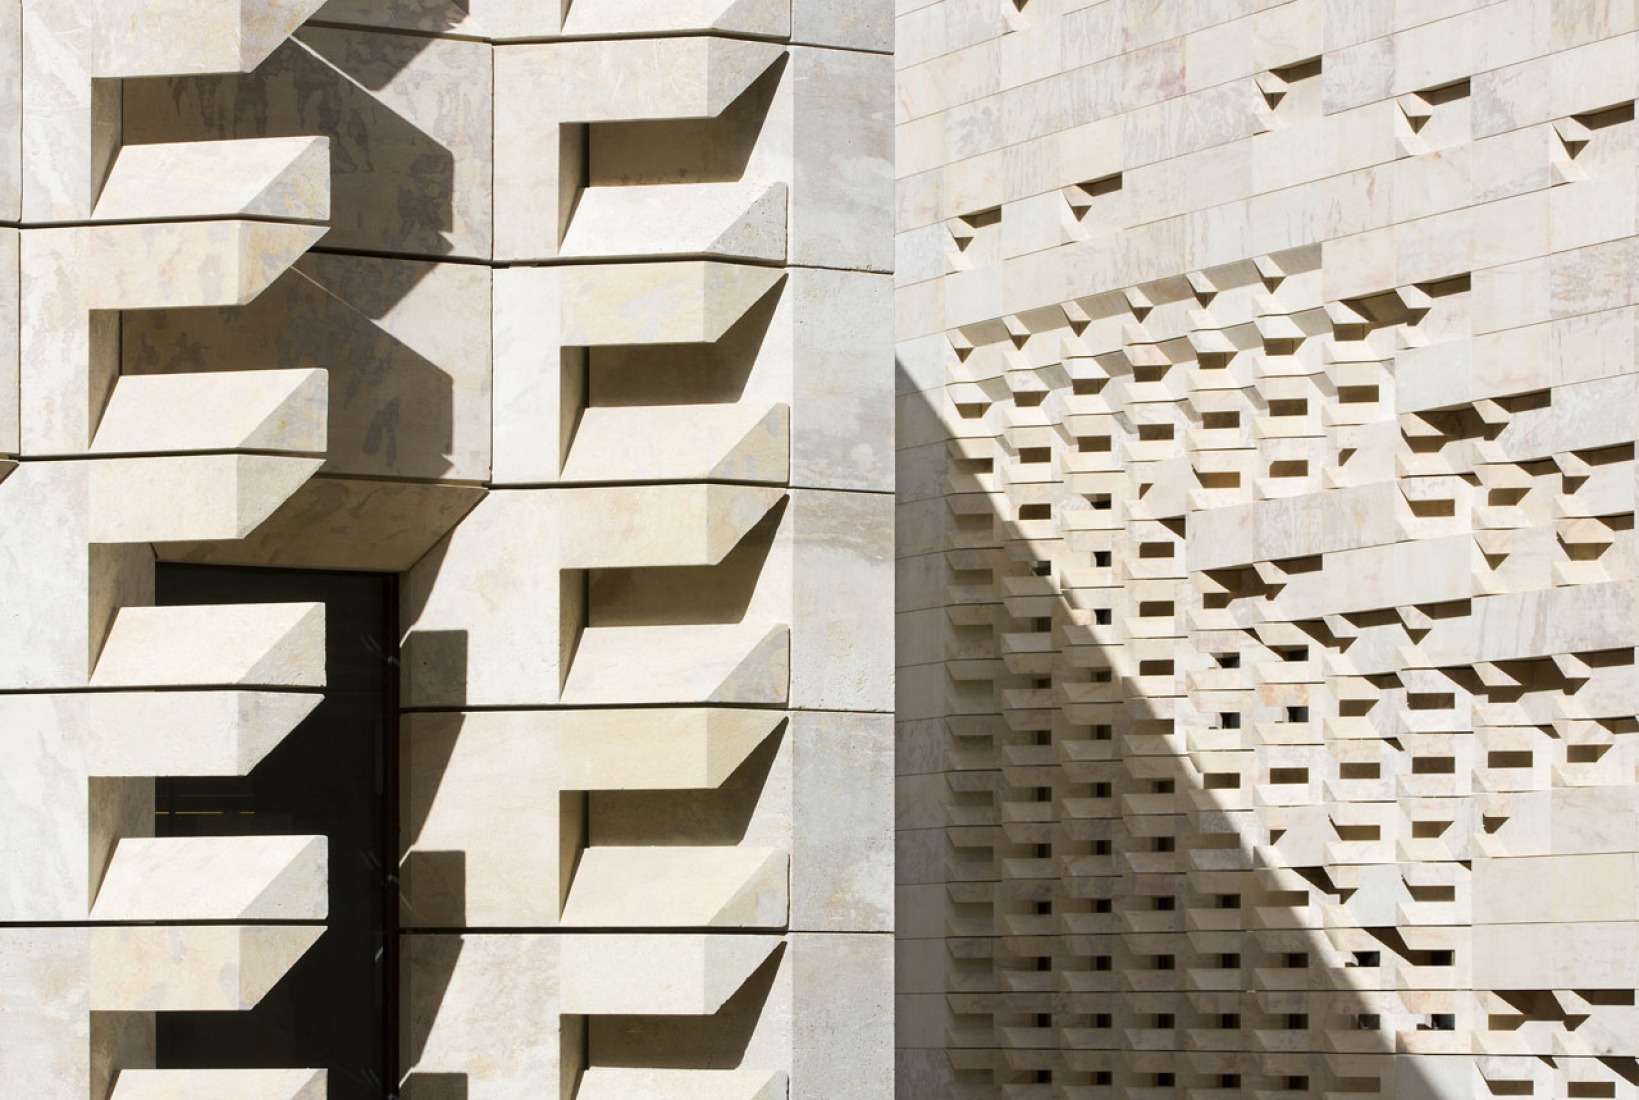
x=594, y=354
x=1268, y=600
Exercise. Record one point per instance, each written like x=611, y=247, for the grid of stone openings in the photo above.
x=602, y=307
x=1267, y=637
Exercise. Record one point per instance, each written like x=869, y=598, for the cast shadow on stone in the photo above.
x=428, y=964
x=1017, y=915
x=684, y=374
x=718, y=1041
x=692, y=595
x=392, y=185
x=716, y=816
x=698, y=150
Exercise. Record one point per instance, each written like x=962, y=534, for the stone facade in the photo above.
x=1267, y=573
x=576, y=318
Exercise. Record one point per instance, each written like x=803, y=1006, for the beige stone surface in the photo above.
x=141, y=733
x=405, y=344
x=228, y=1084
x=678, y=887
x=1264, y=606
x=283, y=878
x=163, y=37
x=215, y=645
x=275, y=178
x=174, y=498
x=408, y=117
x=662, y=974
x=268, y=410
x=192, y=968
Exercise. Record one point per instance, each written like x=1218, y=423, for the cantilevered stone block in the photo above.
x=730, y=221
x=656, y=974
x=221, y=645
x=162, y=37
x=71, y=350
x=595, y=18
x=265, y=410
x=283, y=179
x=189, y=732
x=192, y=968
x=225, y=1084
x=216, y=878
x=648, y=78
x=180, y=497
x=678, y=887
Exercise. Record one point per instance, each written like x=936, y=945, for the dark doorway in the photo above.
x=328, y=777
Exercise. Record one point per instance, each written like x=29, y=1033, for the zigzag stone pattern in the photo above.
x=1267, y=585
x=575, y=319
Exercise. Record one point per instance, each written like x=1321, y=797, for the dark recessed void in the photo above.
x=327, y=777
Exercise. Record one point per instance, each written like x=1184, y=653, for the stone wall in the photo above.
x=575, y=318
x=1267, y=598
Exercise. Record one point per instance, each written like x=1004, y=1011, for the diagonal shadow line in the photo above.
x=1015, y=1027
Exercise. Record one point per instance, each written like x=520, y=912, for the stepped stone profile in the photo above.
x=571, y=322
x=1267, y=569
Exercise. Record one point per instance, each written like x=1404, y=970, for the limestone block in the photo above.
x=841, y=592
x=228, y=1084
x=818, y=342
x=222, y=645
x=656, y=974
x=190, y=968
x=493, y=824
x=646, y=78
x=733, y=663
x=682, y=302
x=284, y=179
x=343, y=523
x=172, y=498
x=669, y=749
x=11, y=111
x=596, y=18
x=409, y=119
x=71, y=127
x=484, y=1007
x=678, y=887
x=608, y=1083
x=216, y=878
x=490, y=619
x=161, y=37
x=689, y=442
x=56, y=828
x=72, y=356
x=55, y=1048
x=732, y=221
x=9, y=335
x=656, y=525
x=189, y=732
x=842, y=856
x=265, y=410
x=841, y=160
x=842, y=1016
x=481, y=611
x=405, y=344
x=851, y=25
x=62, y=593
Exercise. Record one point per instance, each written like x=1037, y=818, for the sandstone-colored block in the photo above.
x=189, y=732
x=659, y=974
x=267, y=410
x=221, y=645
x=276, y=178
x=216, y=878
x=161, y=37
x=229, y=1084
x=191, y=968
x=174, y=498
x=678, y=887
